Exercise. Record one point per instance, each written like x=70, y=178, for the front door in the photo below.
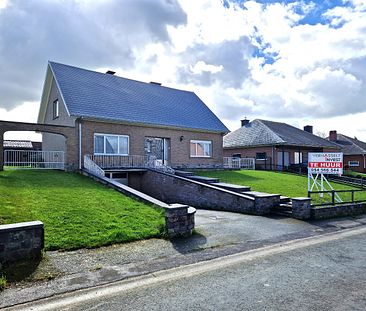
x=158, y=148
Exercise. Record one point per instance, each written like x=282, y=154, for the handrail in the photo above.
x=92, y=167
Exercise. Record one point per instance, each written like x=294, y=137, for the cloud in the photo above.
x=90, y=34
x=232, y=57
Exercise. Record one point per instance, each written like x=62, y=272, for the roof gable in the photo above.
x=267, y=133
x=351, y=145
x=95, y=95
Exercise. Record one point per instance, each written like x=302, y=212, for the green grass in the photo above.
x=286, y=184
x=77, y=212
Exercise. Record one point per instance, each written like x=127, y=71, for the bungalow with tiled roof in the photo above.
x=354, y=151
x=274, y=145
x=118, y=116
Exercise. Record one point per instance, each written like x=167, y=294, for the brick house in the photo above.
x=274, y=145
x=118, y=116
x=354, y=151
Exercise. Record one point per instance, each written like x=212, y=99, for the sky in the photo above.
x=299, y=62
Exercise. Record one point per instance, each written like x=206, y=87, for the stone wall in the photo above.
x=172, y=189
x=325, y=212
x=21, y=241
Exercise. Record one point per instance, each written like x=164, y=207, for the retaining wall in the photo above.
x=21, y=241
x=171, y=188
x=351, y=209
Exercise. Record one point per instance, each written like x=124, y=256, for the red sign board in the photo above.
x=325, y=163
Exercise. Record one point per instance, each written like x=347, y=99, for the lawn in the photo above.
x=77, y=212
x=286, y=184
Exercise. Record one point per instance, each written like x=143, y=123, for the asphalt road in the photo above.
x=328, y=274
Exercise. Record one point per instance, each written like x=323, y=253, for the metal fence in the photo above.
x=29, y=159
x=96, y=163
x=331, y=196
x=239, y=163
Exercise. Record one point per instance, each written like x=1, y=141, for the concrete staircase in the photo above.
x=284, y=208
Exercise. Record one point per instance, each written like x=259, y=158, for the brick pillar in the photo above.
x=1, y=151
x=179, y=220
x=301, y=208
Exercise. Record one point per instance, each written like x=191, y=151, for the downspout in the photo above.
x=364, y=161
x=80, y=153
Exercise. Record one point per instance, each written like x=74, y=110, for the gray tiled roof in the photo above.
x=97, y=95
x=269, y=133
x=351, y=145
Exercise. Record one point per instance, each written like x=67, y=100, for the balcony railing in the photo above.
x=118, y=161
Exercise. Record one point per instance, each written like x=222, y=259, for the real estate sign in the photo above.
x=325, y=163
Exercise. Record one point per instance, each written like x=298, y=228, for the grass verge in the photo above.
x=77, y=212
x=286, y=184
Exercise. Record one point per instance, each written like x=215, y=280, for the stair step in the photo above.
x=284, y=199
x=184, y=173
x=231, y=187
x=258, y=194
x=207, y=180
x=282, y=213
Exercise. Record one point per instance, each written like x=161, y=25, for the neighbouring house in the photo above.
x=354, y=151
x=275, y=145
x=22, y=145
x=119, y=116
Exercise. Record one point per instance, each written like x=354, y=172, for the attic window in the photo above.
x=353, y=163
x=56, y=110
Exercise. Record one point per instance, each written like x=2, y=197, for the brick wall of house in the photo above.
x=272, y=154
x=179, y=149
x=360, y=158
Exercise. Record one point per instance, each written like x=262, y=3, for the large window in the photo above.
x=111, y=144
x=201, y=148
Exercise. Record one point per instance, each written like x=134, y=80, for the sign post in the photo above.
x=330, y=163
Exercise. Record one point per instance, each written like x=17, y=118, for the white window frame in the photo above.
x=353, y=164
x=104, y=141
x=201, y=142
x=56, y=109
x=298, y=159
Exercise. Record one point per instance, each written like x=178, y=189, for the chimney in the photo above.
x=244, y=122
x=333, y=136
x=156, y=83
x=308, y=128
x=110, y=72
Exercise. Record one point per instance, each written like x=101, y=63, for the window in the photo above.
x=55, y=109
x=261, y=156
x=201, y=148
x=111, y=144
x=297, y=157
x=353, y=163
x=237, y=155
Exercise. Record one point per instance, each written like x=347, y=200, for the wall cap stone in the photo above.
x=301, y=199
x=21, y=225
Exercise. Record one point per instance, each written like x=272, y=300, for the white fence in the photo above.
x=239, y=163
x=29, y=159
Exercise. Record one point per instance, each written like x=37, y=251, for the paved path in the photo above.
x=218, y=234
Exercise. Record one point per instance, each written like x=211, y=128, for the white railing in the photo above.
x=92, y=167
x=30, y=159
x=158, y=165
x=239, y=163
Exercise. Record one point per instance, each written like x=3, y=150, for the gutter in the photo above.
x=80, y=137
